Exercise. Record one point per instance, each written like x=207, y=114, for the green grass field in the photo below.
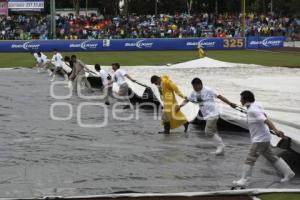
x=163, y=57
x=280, y=196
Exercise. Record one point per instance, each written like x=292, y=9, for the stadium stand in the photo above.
x=21, y=27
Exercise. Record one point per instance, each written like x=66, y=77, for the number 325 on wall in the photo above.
x=233, y=43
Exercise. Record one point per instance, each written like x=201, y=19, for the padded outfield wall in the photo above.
x=143, y=44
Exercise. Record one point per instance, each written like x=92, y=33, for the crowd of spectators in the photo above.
x=23, y=27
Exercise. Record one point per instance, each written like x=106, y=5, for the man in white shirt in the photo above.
x=259, y=128
x=35, y=55
x=206, y=98
x=57, y=61
x=105, y=78
x=119, y=77
x=43, y=62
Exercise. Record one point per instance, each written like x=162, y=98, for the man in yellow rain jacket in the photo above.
x=170, y=118
x=201, y=52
